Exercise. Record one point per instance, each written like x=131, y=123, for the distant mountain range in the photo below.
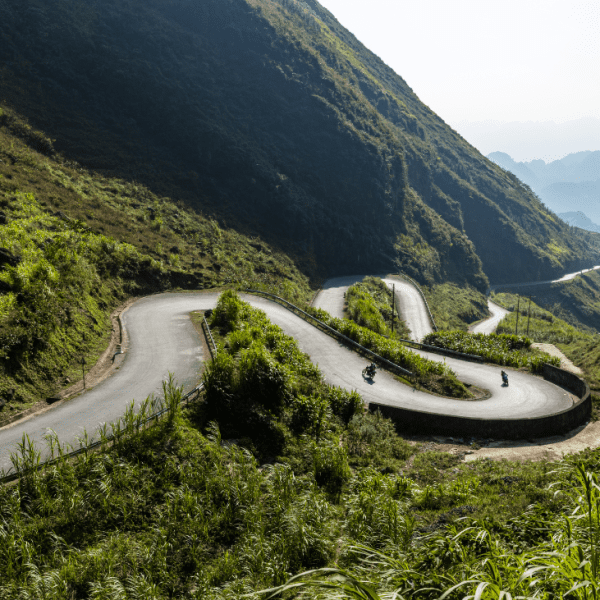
x=568, y=186
x=526, y=140
x=579, y=219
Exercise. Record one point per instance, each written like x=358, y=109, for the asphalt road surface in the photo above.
x=498, y=313
x=566, y=277
x=490, y=324
x=162, y=339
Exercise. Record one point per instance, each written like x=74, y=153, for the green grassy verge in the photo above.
x=501, y=349
x=74, y=244
x=577, y=301
x=539, y=324
x=369, y=304
x=581, y=346
x=455, y=307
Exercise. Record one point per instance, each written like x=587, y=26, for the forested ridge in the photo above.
x=272, y=117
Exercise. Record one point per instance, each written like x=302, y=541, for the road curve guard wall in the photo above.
x=414, y=421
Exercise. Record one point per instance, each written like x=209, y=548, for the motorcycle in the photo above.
x=369, y=371
x=504, y=378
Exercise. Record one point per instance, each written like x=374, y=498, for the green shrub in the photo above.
x=344, y=404
x=220, y=384
x=370, y=306
x=262, y=380
x=331, y=470
x=429, y=373
x=227, y=311
x=373, y=437
x=502, y=349
x=310, y=413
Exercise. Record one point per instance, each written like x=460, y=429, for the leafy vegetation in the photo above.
x=537, y=323
x=549, y=558
x=576, y=301
x=501, y=349
x=75, y=244
x=182, y=508
x=455, y=307
x=261, y=387
x=340, y=154
x=181, y=513
x=580, y=345
x=369, y=304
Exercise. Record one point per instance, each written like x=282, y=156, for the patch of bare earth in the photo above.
x=565, y=363
x=549, y=448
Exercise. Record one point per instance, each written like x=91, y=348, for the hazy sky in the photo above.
x=483, y=60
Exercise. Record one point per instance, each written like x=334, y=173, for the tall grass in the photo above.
x=261, y=384
x=479, y=560
x=166, y=511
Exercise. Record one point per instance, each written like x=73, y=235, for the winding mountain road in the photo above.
x=490, y=324
x=566, y=277
x=162, y=340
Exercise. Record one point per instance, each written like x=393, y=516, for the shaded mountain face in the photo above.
x=275, y=118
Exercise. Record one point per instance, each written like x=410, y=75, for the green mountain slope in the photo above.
x=74, y=245
x=273, y=117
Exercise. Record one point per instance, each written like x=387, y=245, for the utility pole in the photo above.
x=517, y=324
x=528, y=315
x=83, y=370
x=393, y=302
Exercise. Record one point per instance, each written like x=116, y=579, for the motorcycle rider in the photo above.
x=504, y=377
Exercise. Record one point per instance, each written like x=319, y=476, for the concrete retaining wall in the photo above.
x=414, y=421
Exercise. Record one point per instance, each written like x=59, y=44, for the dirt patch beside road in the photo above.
x=549, y=448
x=565, y=363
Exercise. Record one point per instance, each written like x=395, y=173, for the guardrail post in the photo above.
x=211, y=345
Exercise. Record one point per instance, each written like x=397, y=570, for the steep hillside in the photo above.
x=74, y=245
x=273, y=117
